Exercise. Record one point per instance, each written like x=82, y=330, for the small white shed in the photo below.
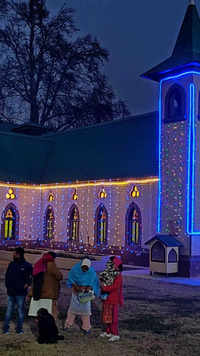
x=164, y=254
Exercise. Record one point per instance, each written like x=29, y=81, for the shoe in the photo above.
x=66, y=328
x=20, y=332
x=85, y=332
x=105, y=335
x=114, y=338
x=5, y=332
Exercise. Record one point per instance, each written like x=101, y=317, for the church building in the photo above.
x=112, y=187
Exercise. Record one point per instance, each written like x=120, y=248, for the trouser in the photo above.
x=12, y=301
x=113, y=327
x=85, y=321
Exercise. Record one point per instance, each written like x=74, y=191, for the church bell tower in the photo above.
x=179, y=142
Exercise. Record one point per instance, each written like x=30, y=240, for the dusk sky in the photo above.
x=138, y=35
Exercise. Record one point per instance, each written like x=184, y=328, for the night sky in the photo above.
x=138, y=34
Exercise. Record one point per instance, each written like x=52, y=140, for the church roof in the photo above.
x=186, y=53
x=114, y=150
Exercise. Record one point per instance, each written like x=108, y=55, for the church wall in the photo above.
x=32, y=205
x=116, y=203
x=28, y=205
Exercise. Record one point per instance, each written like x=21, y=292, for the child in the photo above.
x=47, y=329
x=111, y=303
x=107, y=276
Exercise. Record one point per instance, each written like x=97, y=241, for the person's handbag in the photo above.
x=85, y=297
x=35, y=305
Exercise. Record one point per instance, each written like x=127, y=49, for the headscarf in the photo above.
x=111, y=271
x=41, y=264
x=88, y=278
x=117, y=261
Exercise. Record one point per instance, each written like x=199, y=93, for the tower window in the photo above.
x=175, y=104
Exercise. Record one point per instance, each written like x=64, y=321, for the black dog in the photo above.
x=48, y=331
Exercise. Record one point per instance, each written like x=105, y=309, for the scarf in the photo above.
x=110, y=272
x=83, y=279
x=41, y=264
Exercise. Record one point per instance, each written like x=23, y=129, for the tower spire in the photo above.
x=187, y=47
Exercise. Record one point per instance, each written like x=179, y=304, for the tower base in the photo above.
x=189, y=266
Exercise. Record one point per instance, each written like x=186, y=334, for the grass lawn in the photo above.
x=157, y=319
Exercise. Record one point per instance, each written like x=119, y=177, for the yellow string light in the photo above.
x=82, y=185
x=10, y=194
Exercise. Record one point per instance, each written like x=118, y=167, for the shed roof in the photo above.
x=167, y=240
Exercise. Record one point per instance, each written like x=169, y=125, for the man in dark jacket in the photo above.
x=18, y=279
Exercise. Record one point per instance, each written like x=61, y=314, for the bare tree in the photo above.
x=48, y=74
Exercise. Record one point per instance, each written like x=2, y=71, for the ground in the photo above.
x=158, y=319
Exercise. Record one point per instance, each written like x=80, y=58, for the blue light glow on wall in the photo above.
x=190, y=191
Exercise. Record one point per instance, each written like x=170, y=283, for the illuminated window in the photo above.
x=135, y=192
x=49, y=223
x=102, y=194
x=10, y=225
x=74, y=224
x=175, y=104
x=101, y=225
x=75, y=195
x=133, y=225
x=51, y=197
x=10, y=194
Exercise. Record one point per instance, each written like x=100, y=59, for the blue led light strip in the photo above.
x=191, y=156
x=191, y=152
x=159, y=159
x=193, y=142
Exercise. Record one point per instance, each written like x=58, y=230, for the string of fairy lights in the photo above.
x=114, y=196
x=174, y=178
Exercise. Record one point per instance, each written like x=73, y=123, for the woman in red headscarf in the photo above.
x=113, y=300
x=46, y=283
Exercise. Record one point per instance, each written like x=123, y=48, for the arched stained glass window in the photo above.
x=175, y=104
x=133, y=225
x=10, y=223
x=101, y=225
x=74, y=224
x=49, y=223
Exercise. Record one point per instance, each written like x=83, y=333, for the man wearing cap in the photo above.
x=84, y=282
x=18, y=279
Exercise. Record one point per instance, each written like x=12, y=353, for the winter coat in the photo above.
x=114, y=291
x=18, y=274
x=51, y=283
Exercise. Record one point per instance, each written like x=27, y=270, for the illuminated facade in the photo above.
x=179, y=135
x=105, y=187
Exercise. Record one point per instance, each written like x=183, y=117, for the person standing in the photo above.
x=47, y=285
x=84, y=282
x=17, y=280
x=113, y=298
